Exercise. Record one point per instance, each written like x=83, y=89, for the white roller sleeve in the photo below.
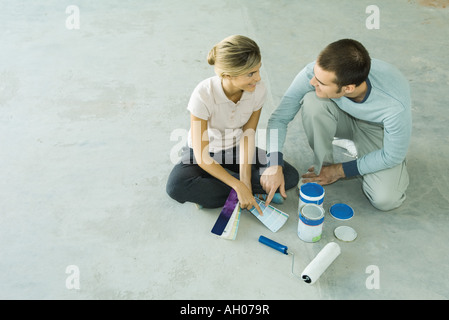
x=321, y=262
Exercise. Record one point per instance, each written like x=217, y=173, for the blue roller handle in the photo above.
x=273, y=244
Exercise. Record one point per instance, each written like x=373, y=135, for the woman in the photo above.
x=224, y=113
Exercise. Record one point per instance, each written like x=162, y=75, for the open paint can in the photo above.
x=310, y=224
x=311, y=193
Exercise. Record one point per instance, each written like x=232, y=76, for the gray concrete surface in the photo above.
x=90, y=119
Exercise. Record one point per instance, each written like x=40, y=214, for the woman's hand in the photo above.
x=246, y=197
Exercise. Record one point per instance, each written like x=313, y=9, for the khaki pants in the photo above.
x=323, y=120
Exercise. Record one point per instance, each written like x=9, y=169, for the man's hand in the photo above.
x=271, y=180
x=328, y=174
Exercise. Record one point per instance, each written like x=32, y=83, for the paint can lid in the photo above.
x=341, y=211
x=345, y=233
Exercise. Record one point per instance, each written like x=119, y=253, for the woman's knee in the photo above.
x=176, y=184
x=173, y=190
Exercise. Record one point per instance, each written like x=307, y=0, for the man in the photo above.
x=348, y=95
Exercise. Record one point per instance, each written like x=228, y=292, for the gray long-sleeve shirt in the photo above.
x=388, y=104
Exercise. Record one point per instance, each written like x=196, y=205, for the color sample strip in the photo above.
x=272, y=218
x=225, y=213
x=230, y=231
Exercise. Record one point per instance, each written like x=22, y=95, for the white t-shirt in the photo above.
x=225, y=119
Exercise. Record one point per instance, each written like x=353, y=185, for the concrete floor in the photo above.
x=91, y=118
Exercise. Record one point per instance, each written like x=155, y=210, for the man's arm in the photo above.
x=397, y=135
x=273, y=177
x=285, y=113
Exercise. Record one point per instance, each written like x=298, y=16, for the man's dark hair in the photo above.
x=348, y=59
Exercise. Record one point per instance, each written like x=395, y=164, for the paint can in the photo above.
x=311, y=193
x=310, y=224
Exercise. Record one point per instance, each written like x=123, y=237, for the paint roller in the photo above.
x=316, y=267
x=279, y=247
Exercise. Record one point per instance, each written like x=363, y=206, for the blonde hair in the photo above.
x=234, y=56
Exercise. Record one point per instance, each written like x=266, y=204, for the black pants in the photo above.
x=188, y=182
